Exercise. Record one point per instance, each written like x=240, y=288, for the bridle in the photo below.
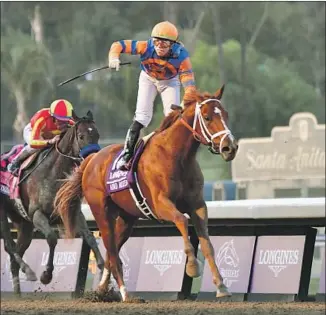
x=77, y=159
x=89, y=148
x=83, y=152
x=206, y=137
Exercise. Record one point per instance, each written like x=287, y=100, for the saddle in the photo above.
x=118, y=180
x=8, y=182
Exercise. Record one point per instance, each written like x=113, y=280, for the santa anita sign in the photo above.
x=293, y=152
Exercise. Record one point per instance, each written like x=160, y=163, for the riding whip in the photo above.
x=97, y=69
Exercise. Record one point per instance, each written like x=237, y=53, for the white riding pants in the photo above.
x=27, y=133
x=147, y=92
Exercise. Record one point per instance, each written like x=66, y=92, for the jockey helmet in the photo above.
x=165, y=30
x=61, y=110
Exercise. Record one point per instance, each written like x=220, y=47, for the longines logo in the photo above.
x=61, y=260
x=276, y=269
x=277, y=259
x=162, y=260
x=227, y=261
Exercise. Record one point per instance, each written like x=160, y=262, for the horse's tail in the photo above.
x=68, y=198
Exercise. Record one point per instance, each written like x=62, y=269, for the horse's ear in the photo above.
x=89, y=115
x=74, y=116
x=218, y=94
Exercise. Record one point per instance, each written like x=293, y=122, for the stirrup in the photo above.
x=124, y=165
x=13, y=168
x=121, y=165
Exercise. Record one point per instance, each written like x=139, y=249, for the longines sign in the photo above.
x=296, y=151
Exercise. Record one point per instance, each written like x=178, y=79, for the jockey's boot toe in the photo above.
x=123, y=164
x=13, y=168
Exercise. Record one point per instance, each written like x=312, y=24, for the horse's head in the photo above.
x=82, y=138
x=210, y=123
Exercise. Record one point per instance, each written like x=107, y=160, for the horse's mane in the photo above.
x=168, y=121
x=72, y=129
x=188, y=100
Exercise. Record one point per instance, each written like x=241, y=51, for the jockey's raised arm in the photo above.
x=165, y=66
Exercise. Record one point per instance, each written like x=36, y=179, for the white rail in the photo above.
x=257, y=209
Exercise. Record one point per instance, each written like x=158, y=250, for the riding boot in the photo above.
x=15, y=164
x=130, y=143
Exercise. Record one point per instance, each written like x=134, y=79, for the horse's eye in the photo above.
x=207, y=118
x=81, y=137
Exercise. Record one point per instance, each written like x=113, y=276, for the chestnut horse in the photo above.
x=169, y=177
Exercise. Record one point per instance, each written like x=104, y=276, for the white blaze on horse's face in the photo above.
x=218, y=111
x=90, y=130
x=203, y=127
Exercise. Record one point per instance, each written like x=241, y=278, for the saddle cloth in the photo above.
x=8, y=182
x=6, y=178
x=118, y=180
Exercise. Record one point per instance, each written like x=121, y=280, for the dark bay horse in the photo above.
x=169, y=177
x=37, y=193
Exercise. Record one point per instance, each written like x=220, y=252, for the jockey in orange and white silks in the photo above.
x=165, y=65
x=43, y=129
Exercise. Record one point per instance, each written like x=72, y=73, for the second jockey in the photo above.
x=165, y=64
x=44, y=129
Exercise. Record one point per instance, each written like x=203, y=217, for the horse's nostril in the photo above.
x=226, y=149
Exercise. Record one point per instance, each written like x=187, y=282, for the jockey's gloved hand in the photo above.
x=54, y=140
x=114, y=63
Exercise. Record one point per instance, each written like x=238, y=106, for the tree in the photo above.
x=26, y=70
x=275, y=90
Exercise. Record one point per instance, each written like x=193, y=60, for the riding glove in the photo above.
x=114, y=64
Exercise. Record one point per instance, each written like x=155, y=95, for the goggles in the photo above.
x=162, y=43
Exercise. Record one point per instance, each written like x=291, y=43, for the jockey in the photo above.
x=44, y=128
x=164, y=64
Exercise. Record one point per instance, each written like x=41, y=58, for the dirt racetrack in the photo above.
x=80, y=307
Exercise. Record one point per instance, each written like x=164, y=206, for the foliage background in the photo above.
x=271, y=55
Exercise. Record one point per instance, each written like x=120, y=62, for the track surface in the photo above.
x=80, y=307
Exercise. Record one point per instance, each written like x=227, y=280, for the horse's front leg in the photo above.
x=200, y=219
x=171, y=213
x=41, y=222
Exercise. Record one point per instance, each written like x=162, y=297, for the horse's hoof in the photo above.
x=222, y=291
x=223, y=295
x=31, y=276
x=46, y=277
x=193, y=269
x=114, y=295
x=109, y=295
